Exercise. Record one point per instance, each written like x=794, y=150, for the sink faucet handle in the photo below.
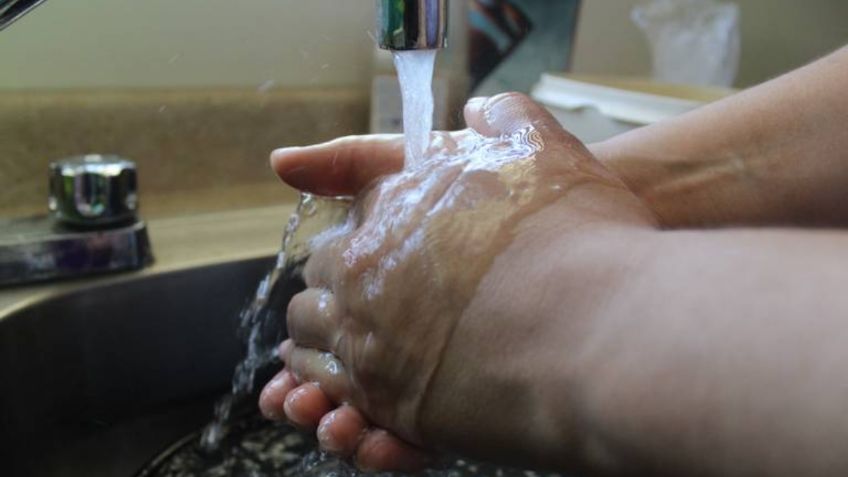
x=93, y=190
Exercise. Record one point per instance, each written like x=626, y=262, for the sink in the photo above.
x=97, y=381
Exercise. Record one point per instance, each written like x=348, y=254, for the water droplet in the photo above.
x=266, y=86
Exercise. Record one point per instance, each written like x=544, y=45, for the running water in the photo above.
x=415, y=73
x=262, y=321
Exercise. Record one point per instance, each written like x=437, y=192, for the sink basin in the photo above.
x=97, y=381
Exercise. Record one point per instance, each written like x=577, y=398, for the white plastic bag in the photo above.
x=692, y=41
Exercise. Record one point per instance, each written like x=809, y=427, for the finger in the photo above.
x=305, y=405
x=311, y=365
x=340, y=430
x=320, y=269
x=274, y=395
x=284, y=349
x=474, y=116
x=507, y=113
x=312, y=319
x=382, y=451
x=340, y=167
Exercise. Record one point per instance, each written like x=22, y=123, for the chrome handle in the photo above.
x=93, y=190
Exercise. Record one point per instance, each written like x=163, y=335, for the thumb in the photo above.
x=343, y=166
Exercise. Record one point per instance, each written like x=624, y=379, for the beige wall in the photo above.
x=83, y=43
x=154, y=43
x=777, y=36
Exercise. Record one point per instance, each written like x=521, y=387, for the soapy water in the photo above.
x=415, y=74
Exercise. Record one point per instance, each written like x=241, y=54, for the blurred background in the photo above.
x=199, y=91
x=292, y=43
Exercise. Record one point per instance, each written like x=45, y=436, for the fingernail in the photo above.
x=476, y=101
x=289, y=406
x=273, y=413
x=286, y=149
x=267, y=404
x=279, y=380
x=325, y=438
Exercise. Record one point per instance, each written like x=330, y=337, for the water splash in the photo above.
x=262, y=322
x=258, y=448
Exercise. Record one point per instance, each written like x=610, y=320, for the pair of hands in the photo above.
x=418, y=329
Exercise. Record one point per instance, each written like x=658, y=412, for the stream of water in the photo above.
x=260, y=322
x=415, y=74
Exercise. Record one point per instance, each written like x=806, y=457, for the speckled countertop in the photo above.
x=196, y=150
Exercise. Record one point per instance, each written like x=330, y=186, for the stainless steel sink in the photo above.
x=95, y=382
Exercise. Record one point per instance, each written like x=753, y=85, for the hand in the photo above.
x=428, y=315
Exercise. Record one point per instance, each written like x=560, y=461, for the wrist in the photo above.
x=602, y=265
x=525, y=336
x=646, y=178
x=691, y=185
x=578, y=269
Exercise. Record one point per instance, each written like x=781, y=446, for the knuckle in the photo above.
x=313, y=274
x=295, y=306
x=296, y=313
x=327, y=255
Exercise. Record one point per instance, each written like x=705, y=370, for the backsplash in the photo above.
x=201, y=140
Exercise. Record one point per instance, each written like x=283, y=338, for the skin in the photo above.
x=771, y=155
x=630, y=348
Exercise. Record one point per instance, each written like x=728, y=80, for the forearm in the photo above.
x=774, y=154
x=717, y=353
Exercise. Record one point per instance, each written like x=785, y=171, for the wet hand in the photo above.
x=400, y=326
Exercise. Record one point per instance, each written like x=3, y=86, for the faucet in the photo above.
x=88, y=221
x=401, y=24
x=412, y=24
x=11, y=10
x=93, y=226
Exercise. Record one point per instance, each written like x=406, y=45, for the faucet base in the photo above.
x=38, y=249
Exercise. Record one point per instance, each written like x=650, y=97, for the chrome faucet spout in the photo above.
x=401, y=24
x=412, y=24
x=11, y=10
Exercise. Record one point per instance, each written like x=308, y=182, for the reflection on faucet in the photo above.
x=412, y=24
